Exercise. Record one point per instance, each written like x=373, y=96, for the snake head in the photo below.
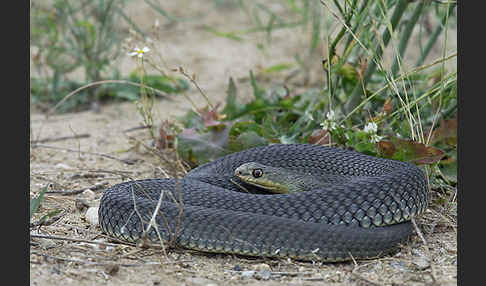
x=265, y=177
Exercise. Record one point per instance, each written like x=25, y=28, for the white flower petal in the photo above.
x=370, y=128
x=330, y=115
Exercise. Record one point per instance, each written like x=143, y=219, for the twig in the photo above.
x=137, y=128
x=74, y=192
x=193, y=81
x=159, y=154
x=356, y=267
x=128, y=162
x=122, y=173
x=47, y=221
x=85, y=135
x=282, y=273
x=286, y=273
x=153, y=224
x=99, y=83
x=365, y=279
x=77, y=240
x=419, y=233
x=108, y=263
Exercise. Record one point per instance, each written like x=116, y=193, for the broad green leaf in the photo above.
x=232, y=109
x=197, y=148
x=246, y=140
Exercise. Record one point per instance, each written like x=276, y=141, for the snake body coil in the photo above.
x=362, y=212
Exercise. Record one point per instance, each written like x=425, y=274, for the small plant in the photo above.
x=394, y=115
x=34, y=206
x=35, y=202
x=70, y=35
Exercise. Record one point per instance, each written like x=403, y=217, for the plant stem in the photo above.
x=342, y=32
x=434, y=36
x=402, y=46
x=397, y=15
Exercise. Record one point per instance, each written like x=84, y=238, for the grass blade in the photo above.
x=35, y=202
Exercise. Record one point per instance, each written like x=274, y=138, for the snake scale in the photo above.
x=363, y=211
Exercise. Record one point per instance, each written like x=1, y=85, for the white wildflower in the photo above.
x=309, y=115
x=139, y=52
x=371, y=128
x=330, y=115
x=328, y=125
x=376, y=138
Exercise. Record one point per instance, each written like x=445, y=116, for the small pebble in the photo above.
x=199, y=281
x=63, y=166
x=421, y=263
x=263, y=274
x=47, y=244
x=237, y=268
x=400, y=266
x=417, y=252
x=247, y=274
x=378, y=267
x=261, y=266
x=88, y=194
x=81, y=204
x=112, y=269
x=92, y=215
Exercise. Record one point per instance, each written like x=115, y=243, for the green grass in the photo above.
x=413, y=104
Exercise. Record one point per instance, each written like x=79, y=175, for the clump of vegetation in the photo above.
x=401, y=112
x=83, y=36
x=395, y=110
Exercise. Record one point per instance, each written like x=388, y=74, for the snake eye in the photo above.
x=257, y=173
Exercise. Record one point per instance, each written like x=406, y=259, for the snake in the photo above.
x=296, y=201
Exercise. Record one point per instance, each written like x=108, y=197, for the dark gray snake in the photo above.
x=364, y=211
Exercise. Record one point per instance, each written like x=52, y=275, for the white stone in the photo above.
x=92, y=215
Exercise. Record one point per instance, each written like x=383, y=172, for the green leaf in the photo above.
x=49, y=215
x=277, y=68
x=245, y=126
x=257, y=91
x=246, y=140
x=450, y=171
x=228, y=35
x=35, y=202
x=197, y=148
x=232, y=109
x=166, y=84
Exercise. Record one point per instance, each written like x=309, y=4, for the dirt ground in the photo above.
x=82, y=163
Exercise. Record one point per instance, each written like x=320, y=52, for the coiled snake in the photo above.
x=360, y=209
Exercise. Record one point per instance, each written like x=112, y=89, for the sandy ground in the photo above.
x=82, y=163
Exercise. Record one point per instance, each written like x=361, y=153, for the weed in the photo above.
x=367, y=104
